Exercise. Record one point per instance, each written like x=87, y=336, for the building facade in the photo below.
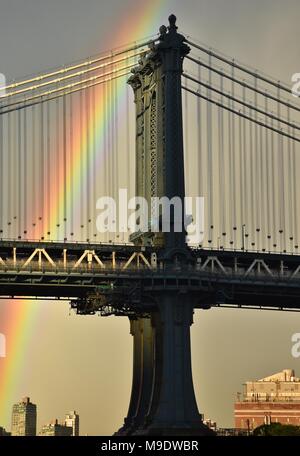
x=273, y=399
x=72, y=420
x=56, y=430
x=24, y=418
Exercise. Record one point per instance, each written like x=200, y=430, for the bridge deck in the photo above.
x=55, y=270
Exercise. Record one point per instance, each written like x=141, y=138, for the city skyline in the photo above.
x=24, y=421
x=272, y=393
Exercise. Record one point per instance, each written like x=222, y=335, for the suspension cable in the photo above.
x=69, y=76
x=255, y=107
x=86, y=62
x=239, y=113
x=243, y=83
x=60, y=89
x=22, y=106
x=240, y=67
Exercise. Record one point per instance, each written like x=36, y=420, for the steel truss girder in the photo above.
x=27, y=269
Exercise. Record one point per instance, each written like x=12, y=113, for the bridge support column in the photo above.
x=162, y=398
x=172, y=408
x=141, y=330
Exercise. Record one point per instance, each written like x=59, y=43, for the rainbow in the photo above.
x=19, y=319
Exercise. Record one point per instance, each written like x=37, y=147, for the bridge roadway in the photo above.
x=75, y=271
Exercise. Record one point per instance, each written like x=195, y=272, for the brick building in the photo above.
x=274, y=399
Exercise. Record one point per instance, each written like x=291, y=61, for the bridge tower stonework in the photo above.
x=162, y=398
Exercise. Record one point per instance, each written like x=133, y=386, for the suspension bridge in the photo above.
x=205, y=125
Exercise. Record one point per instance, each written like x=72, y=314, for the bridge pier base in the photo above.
x=162, y=399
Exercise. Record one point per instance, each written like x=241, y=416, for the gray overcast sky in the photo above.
x=83, y=362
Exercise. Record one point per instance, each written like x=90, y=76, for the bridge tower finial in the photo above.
x=163, y=30
x=172, y=22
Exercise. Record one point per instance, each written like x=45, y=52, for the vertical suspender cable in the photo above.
x=199, y=138
x=257, y=179
x=113, y=146
x=111, y=150
x=109, y=144
x=49, y=171
x=295, y=230
x=1, y=175
x=88, y=163
x=9, y=175
x=34, y=188
x=13, y=173
x=188, y=179
x=262, y=225
x=281, y=189
x=230, y=186
x=128, y=154
x=274, y=233
x=105, y=141
x=186, y=138
x=292, y=209
x=72, y=184
x=57, y=170
x=269, y=195
x=20, y=177
x=94, y=161
x=25, y=175
x=41, y=174
x=235, y=194
x=247, y=219
x=209, y=159
x=81, y=153
x=84, y=166
x=252, y=183
x=242, y=191
x=64, y=133
x=222, y=193
x=117, y=158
